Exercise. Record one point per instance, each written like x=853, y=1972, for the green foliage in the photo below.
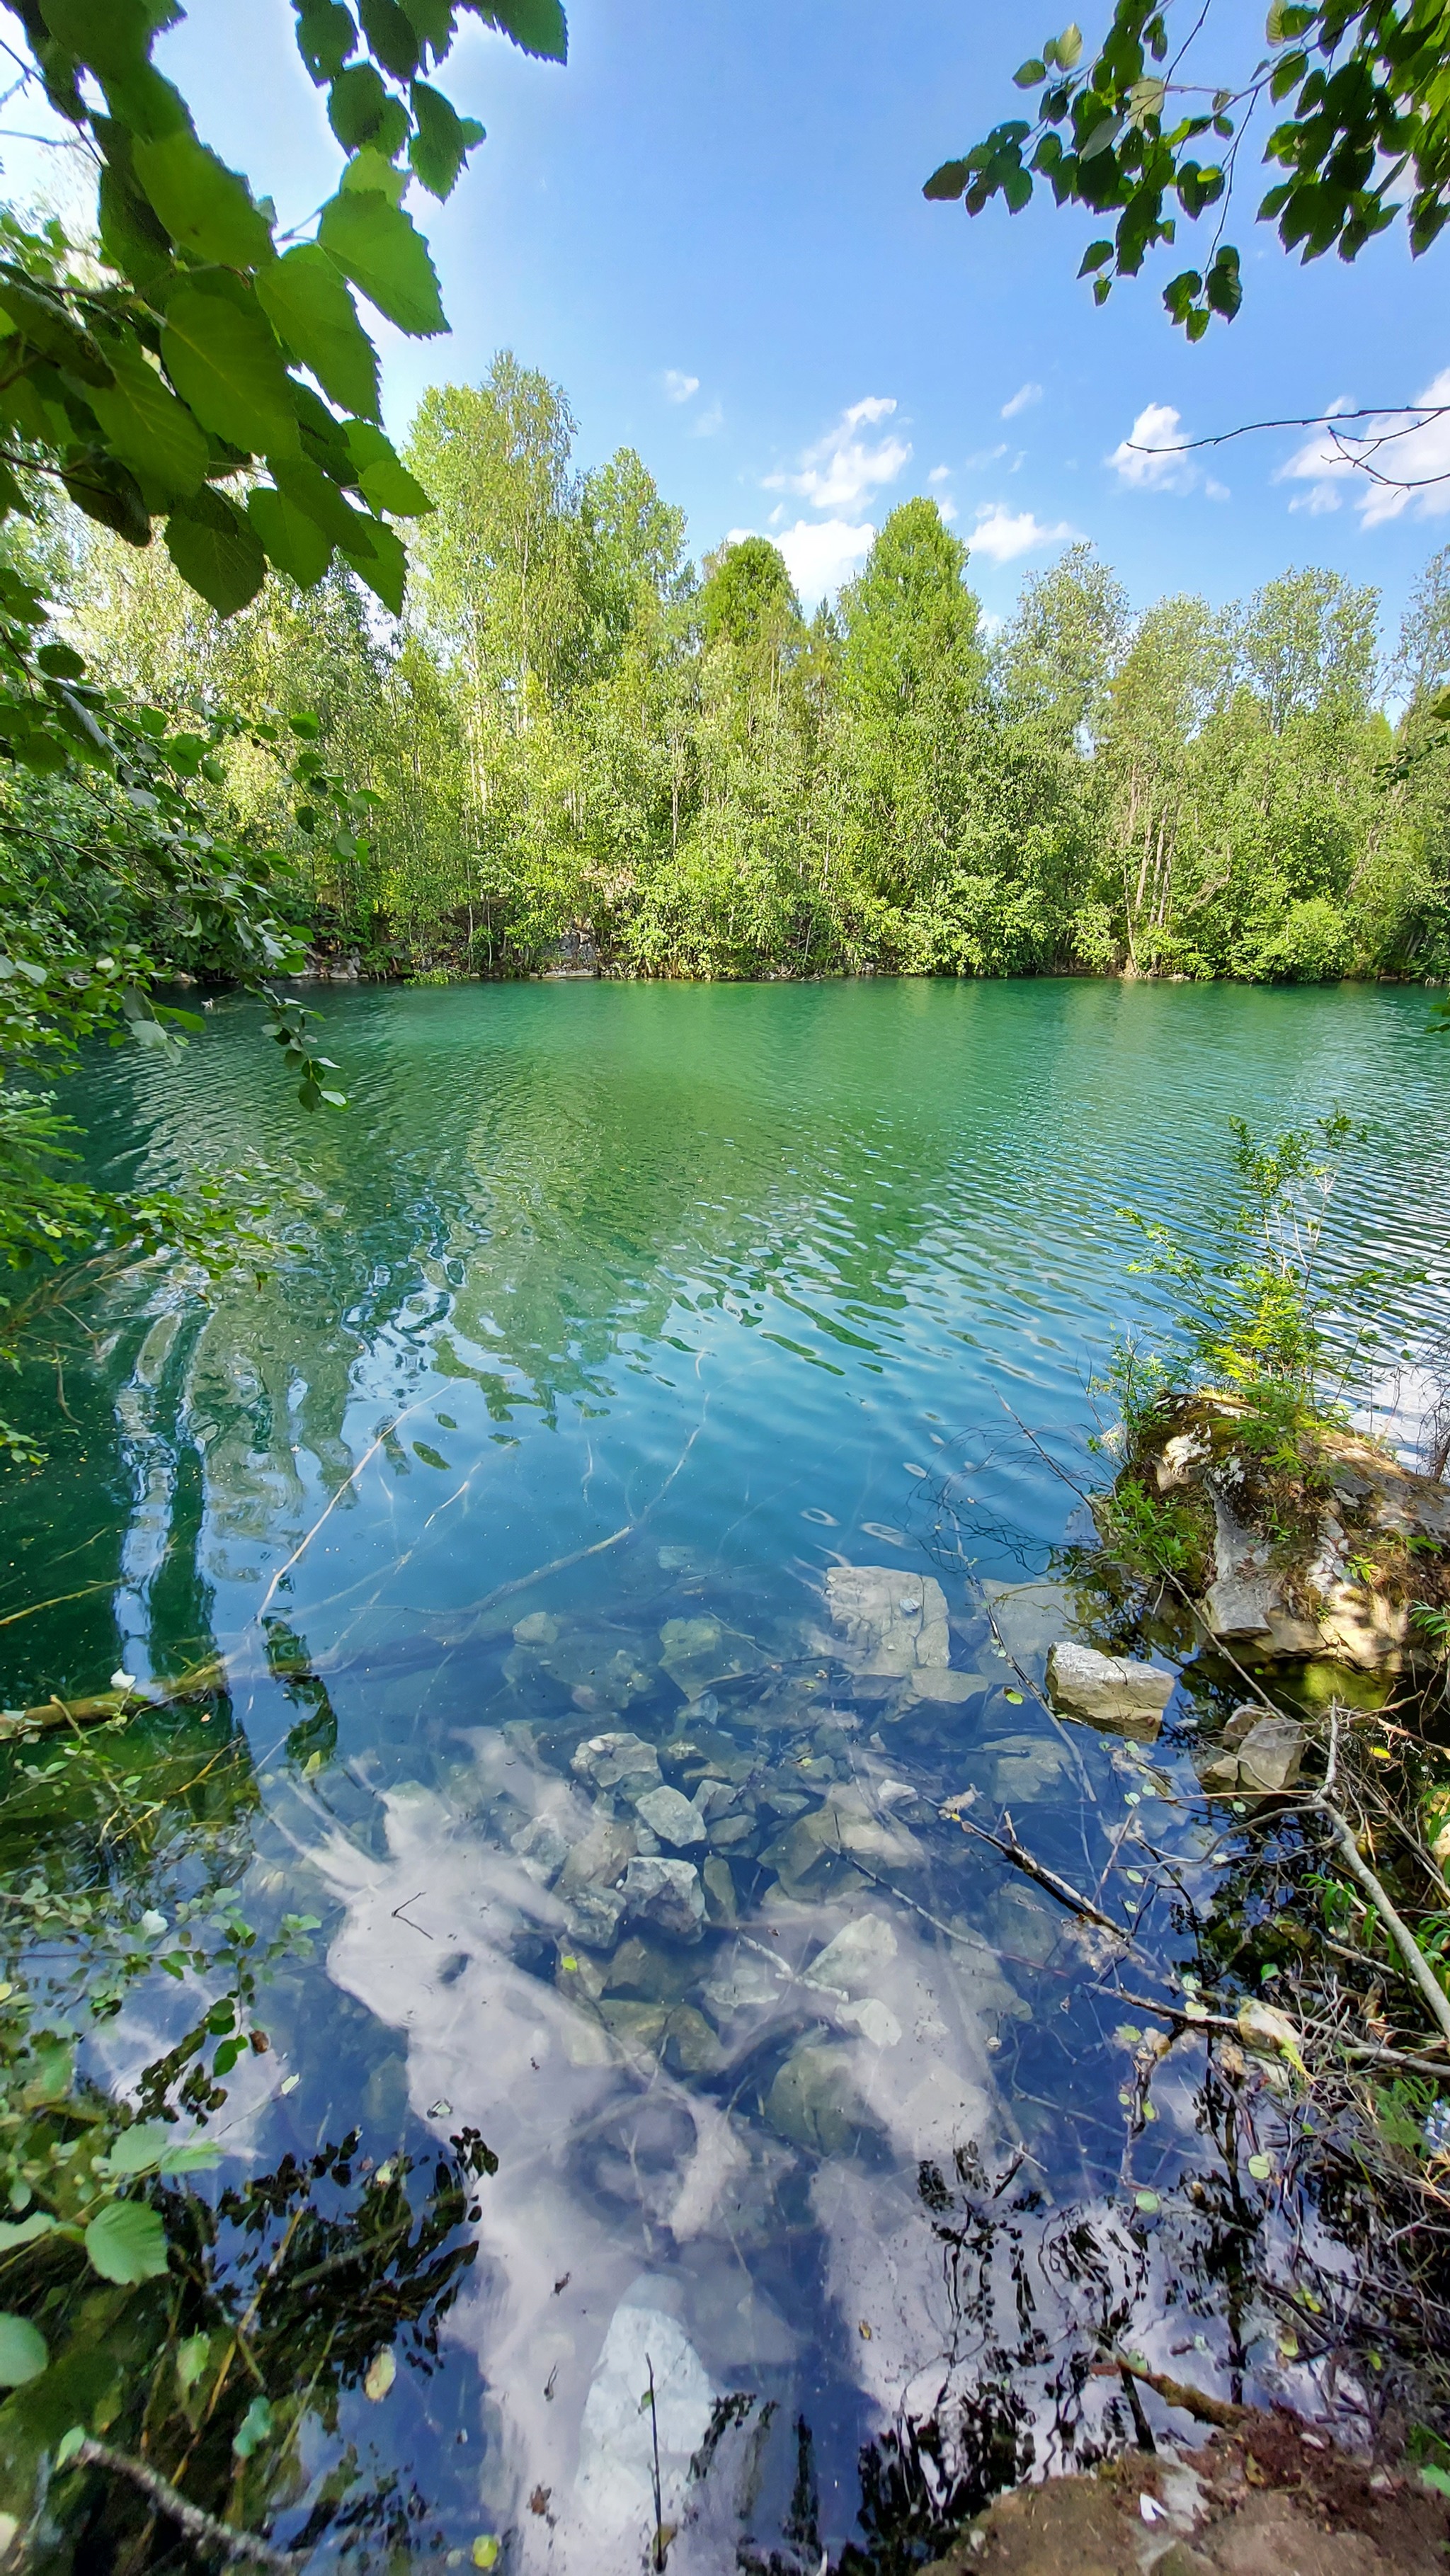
x=1150, y=130
x=1256, y=1321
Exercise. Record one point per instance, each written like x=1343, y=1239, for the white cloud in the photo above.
x=1414, y=452
x=1001, y=535
x=948, y=510
x=706, y=423
x=678, y=388
x=823, y=553
x=842, y=469
x=984, y=456
x=1158, y=429
x=939, y=474
x=1022, y=400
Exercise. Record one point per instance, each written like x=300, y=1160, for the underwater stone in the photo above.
x=598, y=1858
x=720, y=1902
x=667, y=1893
x=893, y=1622
x=618, y=1761
x=542, y=1848
x=853, y=1961
x=1263, y=1756
x=1108, y=1691
x=814, y=2100
x=594, y=1917
x=670, y=1815
x=616, y=2438
x=691, y=2047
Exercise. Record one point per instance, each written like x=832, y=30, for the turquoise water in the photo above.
x=605, y=1324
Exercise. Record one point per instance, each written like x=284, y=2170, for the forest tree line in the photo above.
x=573, y=736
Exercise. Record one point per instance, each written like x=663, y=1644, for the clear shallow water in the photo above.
x=614, y=1318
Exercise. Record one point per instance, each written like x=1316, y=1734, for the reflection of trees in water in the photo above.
x=280, y=2300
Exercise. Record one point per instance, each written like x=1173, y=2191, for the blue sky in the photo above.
x=709, y=229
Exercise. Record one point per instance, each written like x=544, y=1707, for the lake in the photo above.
x=518, y=1479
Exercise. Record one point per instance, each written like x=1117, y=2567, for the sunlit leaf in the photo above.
x=206, y=208
x=23, y=2351
x=126, y=2243
x=378, y=246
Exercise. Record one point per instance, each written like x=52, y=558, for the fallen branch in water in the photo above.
x=99, y=1708
x=1176, y=2392
x=1202, y=2019
x=1038, y=1871
x=203, y=2528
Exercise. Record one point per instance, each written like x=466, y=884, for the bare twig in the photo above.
x=203, y=2528
x=1038, y=1871
x=1421, y=1973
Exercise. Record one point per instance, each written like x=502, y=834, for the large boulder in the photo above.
x=1107, y=1691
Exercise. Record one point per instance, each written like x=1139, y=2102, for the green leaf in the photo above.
x=370, y=173
x=224, y=361
x=140, y=2147
x=311, y=309
x=127, y=2243
x=326, y=35
x=60, y=662
x=360, y=110
x=433, y=20
x=391, y=35
x=309, y=489
x=1069, y=47
x=24, y=2231
x=290, y=537
x=23, y=2352
x=1028, y=74
x=947, y=182
x=1096, y=255
x=379, y=248
x=1431, y=2476
x=254, y=2428
x=383, y=478
x=1102, y=138
x=43, y=321
x=215, y=550
x=109, y=493
x=442, y=142
x=1145, y=99
x=385, y=567
x=206, y=208
x=147, y=427
x=536, y=26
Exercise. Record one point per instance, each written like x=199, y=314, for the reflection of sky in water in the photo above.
x=725, y=1286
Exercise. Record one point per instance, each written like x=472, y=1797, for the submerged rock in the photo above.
x=1261, y=1754
x=615, y=2488
x=618, y=1761
x=666, y=1893
x=894, y=1623
x=814, y=2100
x=697, y=1653
x=593, y=1917
x=1107, y=1691
x=853, y=1961
x=671, y=1816
x=542, y=1848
